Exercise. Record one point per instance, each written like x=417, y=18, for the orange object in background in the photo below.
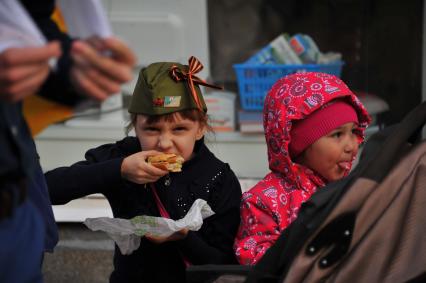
x=40, y=113
x=59, y=20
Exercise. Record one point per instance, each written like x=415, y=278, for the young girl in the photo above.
x=313, y=127
x=168, y=114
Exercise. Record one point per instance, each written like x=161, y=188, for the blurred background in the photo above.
x=381, y=41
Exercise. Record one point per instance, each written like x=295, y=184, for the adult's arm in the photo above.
x=57, y=86
x=83, y=70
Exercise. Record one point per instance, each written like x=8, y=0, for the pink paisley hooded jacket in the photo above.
x=273, y=203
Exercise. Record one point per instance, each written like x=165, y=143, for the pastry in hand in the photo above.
x=167, y=161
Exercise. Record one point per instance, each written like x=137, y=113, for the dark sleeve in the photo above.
x=57, y=87
x=100, y=172
x=212, y=244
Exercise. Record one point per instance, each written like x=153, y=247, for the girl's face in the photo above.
x=331, y=156
x=177, y=136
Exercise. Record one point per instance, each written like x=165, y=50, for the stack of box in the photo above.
x=251, y=122
x=221, y=110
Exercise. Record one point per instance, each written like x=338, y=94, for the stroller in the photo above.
x=367, y=227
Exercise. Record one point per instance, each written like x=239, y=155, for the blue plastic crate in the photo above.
x=254, y=81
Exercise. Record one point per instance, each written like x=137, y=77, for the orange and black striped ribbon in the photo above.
x=195, y=66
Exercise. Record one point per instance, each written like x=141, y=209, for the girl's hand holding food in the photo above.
x=136, y=169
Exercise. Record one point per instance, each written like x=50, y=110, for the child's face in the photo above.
x=177, y=136
x=331, y=156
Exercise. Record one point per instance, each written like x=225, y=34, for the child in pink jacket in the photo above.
x=313, y=125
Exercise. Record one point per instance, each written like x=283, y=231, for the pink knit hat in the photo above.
x=321, y=122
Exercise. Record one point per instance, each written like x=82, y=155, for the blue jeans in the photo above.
x=22, y=245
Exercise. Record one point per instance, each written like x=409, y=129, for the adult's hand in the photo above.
x=135, y=168
x=23, y=70
x=101, y=66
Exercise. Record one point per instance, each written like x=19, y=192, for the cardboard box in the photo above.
x=221, y=110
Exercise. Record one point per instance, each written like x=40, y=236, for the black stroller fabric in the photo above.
x=367, y=227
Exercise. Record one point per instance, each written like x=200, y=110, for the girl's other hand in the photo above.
x=179, y=235
x=136, y=169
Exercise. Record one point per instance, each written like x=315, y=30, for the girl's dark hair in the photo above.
x=191, y=114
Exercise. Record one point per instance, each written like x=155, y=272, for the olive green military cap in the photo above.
x=164, y=88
